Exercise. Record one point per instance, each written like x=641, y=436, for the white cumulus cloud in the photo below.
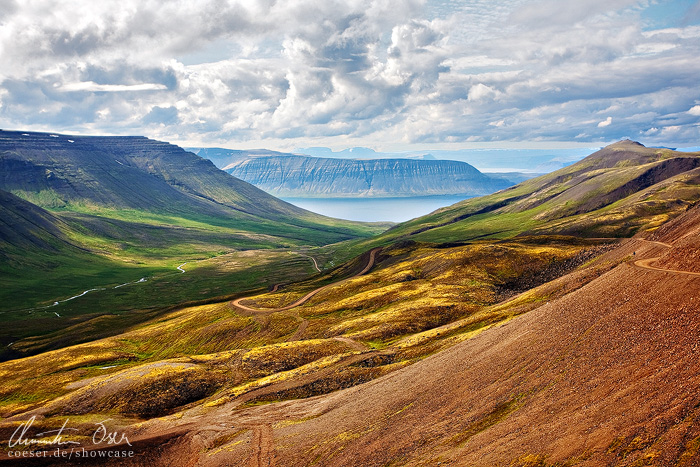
x=605, y=122
x=359, y=71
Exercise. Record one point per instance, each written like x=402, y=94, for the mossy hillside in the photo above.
x=102, y=251
x=110, y=311
x=413, y=303
x=643, y=210
x=419, y=298
x=612, y=179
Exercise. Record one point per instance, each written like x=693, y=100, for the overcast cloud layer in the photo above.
x=381, y=73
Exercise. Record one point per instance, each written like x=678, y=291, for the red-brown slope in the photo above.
x=608, y=375
x=684, y=231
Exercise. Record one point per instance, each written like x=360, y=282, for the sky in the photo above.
x=387, y=74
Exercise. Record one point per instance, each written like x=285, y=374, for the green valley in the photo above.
x=100, y=214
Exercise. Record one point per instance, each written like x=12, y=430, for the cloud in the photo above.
x=481, y=91
x=360, y=71
x=90, y=86
x=161, y=116
x=605, y=122
x=7, y=8
x=549, y=13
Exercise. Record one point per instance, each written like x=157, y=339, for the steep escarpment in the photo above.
x=301, y=176
x=130, y=172
x=24, y=225
x=134, y=173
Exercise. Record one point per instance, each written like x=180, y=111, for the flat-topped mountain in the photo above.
x=124, y=172
x=84, y=173
x=290, y=175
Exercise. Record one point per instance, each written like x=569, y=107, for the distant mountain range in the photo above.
x=510, y=160
x=290, y=175
x=78, y=173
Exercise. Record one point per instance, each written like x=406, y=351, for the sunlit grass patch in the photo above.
x=262, y=361
x=414, y=302
x=315, y=365
x=147, y=390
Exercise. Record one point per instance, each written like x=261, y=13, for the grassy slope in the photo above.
x=396, y=309
x=615, y=192
x=129, y=176
x=619, y=191
x=122, y=209
x=419, y=299
x=549, y=204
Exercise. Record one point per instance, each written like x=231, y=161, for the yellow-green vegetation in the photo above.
x=497, y=414
x=107, y=312
x=418, y=299
x=616, y=192
x=101, y=214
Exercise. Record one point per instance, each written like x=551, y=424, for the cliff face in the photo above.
x=300, y=176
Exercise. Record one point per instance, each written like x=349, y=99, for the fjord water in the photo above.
x=376, y=209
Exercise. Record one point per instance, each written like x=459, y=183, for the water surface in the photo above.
x=375, y=209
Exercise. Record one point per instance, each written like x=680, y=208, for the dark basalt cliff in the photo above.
x=303, y=176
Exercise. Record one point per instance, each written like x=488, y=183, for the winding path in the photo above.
x=667, y=245
x=353, y=344
x=646, y=263
x=315, y=263
x=305, y=298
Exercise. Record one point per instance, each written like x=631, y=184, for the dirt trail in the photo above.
x=263, y=454
x=315, y=263
x=352, y=343
x=305, y=298
x=667, y=245
x=303, y=323
x=646, y=263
